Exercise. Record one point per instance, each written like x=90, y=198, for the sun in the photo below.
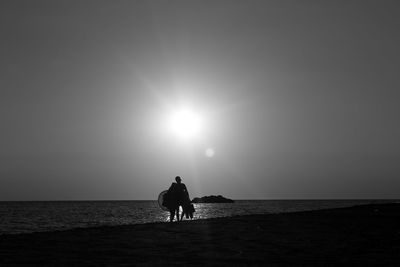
x=185, y=123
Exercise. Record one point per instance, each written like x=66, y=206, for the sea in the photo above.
x=43, y=216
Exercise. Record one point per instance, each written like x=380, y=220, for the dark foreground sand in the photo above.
x=363, y=235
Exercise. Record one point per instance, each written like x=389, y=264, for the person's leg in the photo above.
x=187, y=213
x=183, y=213
x=171, y=215
x=177, y=214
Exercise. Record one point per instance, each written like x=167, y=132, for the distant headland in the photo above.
x=212, y=199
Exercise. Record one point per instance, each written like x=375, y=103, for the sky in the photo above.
x=280, y=99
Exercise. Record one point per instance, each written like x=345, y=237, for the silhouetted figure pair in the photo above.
x=177, y=196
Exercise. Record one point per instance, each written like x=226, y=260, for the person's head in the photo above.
x=178, y=179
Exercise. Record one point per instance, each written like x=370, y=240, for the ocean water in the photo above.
x=28, y=217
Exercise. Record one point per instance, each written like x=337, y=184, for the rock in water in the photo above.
x=212, y=199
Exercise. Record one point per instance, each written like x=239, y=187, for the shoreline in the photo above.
x=48, y=228
x=357, y=235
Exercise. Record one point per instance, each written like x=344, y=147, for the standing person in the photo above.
x=187, y=209
x=176, y=195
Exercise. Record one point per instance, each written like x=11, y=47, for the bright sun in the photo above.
x=185, y=123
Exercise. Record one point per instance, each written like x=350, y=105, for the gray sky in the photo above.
x=298, y=99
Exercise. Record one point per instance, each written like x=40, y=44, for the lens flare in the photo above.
x=210, y=152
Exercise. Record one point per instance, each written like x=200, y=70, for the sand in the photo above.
x=362, y=235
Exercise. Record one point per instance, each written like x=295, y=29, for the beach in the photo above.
x=360, y=235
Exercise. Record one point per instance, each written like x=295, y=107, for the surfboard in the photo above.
x=160, y=200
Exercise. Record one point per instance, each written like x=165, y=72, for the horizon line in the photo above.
x=249, y=199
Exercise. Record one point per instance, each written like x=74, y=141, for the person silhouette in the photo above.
x=177, y=195
x=187, y=209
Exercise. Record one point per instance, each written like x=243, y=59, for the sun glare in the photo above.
x=185, y=123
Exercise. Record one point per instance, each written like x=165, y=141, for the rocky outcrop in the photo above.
x=212, y=199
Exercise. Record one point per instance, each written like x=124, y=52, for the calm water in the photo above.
x=27, y=217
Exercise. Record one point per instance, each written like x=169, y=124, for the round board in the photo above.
x=160, y=200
